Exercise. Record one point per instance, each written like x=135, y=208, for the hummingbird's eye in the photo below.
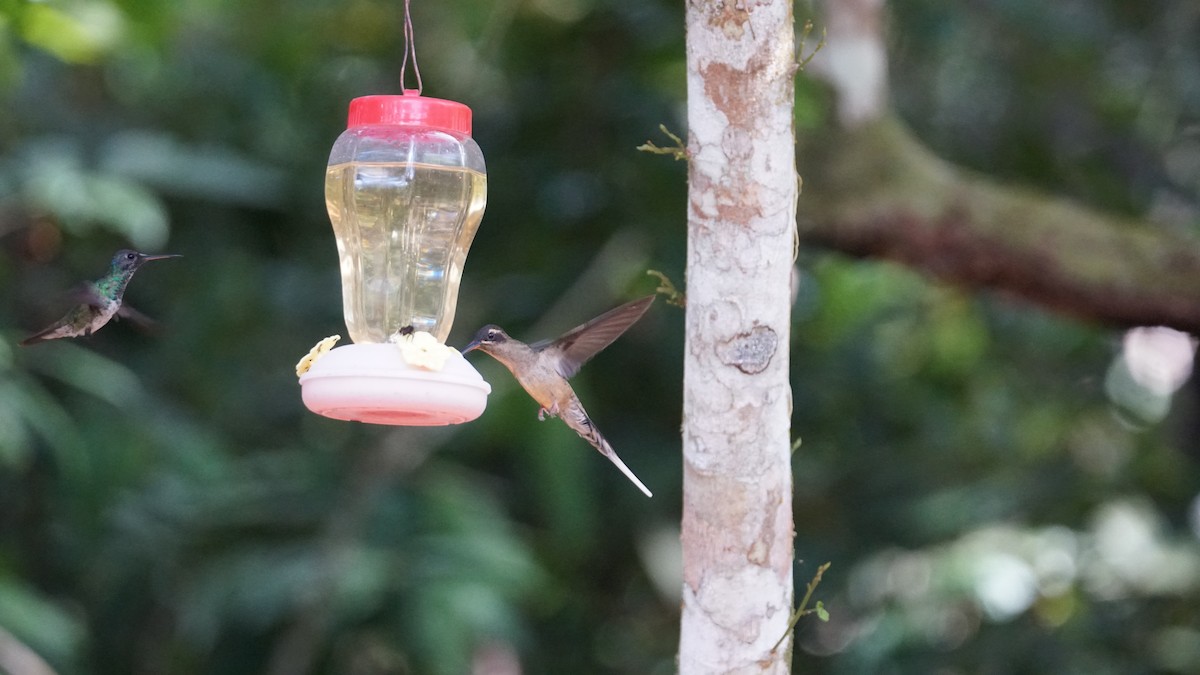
x=130, y=256
x=491, y=334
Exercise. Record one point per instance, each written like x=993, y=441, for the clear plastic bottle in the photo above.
x=405, y=189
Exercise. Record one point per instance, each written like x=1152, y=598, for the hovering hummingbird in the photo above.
x=99, y=300
x=542, y=369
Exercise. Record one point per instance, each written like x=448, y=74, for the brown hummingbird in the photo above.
x=99, y=300
x=543, y=367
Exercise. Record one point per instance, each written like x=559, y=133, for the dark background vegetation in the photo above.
x=994, y=491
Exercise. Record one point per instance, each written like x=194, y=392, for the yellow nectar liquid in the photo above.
x=402, y=231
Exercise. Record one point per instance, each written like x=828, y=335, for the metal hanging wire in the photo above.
x=410, y=47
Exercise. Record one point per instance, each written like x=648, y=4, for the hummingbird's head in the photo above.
x=127, y=261
x=487, y=339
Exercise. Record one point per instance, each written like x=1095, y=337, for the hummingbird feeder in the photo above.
x=405, y=189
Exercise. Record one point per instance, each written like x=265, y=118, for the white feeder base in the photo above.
x=371, y=383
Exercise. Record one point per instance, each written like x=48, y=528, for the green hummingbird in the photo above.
x=99, y=300
x=542, y=369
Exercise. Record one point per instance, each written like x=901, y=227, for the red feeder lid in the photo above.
x=410, y=110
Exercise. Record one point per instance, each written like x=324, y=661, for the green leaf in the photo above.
x=82, y=35
x=39, y=622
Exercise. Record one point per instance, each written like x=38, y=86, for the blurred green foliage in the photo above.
x=167, y=504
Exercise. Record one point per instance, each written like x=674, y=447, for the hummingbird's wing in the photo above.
x=86, y=294
x=137, y=318
x=578, y=345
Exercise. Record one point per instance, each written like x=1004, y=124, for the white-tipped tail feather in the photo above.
x=577, y=418
x=608, y=452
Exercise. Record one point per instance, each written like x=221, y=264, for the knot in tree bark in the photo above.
x=749, y=352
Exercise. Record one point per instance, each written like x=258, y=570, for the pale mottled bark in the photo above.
x=737, y=520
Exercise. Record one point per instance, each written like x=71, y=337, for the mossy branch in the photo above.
x=882, y=194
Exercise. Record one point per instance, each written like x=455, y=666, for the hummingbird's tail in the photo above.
x=51, y=333
x=577, y=418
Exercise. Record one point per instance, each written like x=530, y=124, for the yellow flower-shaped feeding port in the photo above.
x=422, y=350
x=315, y=353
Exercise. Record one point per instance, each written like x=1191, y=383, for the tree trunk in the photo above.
x=737, y=486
